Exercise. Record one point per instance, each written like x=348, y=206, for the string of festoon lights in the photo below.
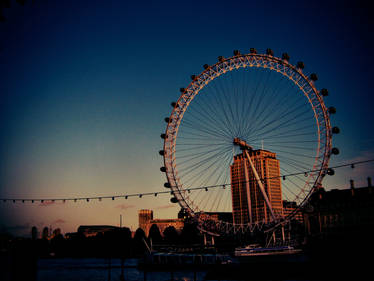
x=330, y=171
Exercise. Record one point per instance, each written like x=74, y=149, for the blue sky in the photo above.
x=85, y=87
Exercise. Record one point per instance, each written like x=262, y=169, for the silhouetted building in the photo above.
x=253, y=205
x=290, y=207
x=146, y=221
x=71, y=235
x=93, y=230
x=220, y=216
x=341, y=210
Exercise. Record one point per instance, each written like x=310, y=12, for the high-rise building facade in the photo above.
x=248, y=203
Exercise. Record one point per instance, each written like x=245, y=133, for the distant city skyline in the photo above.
x=85, y=89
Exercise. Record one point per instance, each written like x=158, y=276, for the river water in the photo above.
x=91, y=269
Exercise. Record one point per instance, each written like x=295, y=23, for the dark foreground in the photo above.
x=302, y=267
x=331, y=259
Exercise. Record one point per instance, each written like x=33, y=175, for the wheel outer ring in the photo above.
x=242, y=61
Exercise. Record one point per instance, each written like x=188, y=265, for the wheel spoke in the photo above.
x=260, y=99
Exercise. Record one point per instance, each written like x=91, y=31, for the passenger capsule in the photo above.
x=221, y=58
x=324, y=92
x=236, y=53
x=163, y=169
x=167, y=185
x=167, y=119
x=173, y=200
x=161, y=152
x=300, y=65
x=193, y=77
x=173, y=104
x=206, y=66
x=330, y=171
x=332, y=110
x=285, y=56
x=182, y=90
x=163, y=136
x=335, y=130
x=253, y=51
x=335, y=151
x=313, y=77
x=269, y=52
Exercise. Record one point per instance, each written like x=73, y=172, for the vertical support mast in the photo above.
x=246, y=177
x=260, y=184
x=245, y=147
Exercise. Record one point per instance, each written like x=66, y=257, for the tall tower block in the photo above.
x=251, y=206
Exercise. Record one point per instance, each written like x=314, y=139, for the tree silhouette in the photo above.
x=171, y=235
x=34, y=233
x=154, y=234
x=45, y=233
x=125, y=241
x=139, y=247
x=58, y=243
x=190, y=234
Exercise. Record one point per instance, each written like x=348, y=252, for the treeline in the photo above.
x=117, y=243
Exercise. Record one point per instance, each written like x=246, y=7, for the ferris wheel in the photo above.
x=237, y=106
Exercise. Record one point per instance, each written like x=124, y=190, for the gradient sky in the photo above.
x=85, y=87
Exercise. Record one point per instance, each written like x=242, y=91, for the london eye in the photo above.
x=258, y=107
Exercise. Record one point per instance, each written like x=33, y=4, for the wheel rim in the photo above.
x=173, y=157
